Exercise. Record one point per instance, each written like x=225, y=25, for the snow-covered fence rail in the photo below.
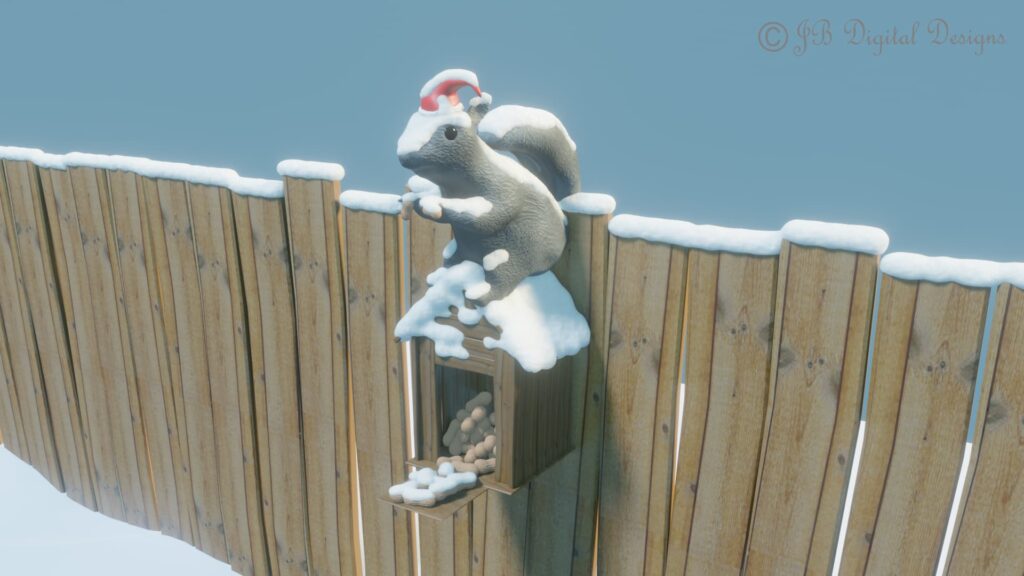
x=212, y=356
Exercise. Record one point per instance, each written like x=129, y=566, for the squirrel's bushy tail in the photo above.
x=539, y=141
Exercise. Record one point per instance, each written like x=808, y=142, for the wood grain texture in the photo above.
x=990, y=527
x=266, y=272
x=506, y=528
x=23, y=353
x=372, y=270
x=729, y=338
x=24, y=208
x=826, y=301
x=226, y=356
x=159, y=267
x=186, y=290
x=323, y=371
x=148, y=350
x=637, y=321
x=908, y=514
x=101, y=339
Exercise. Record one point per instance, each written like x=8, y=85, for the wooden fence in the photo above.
x=220, y=366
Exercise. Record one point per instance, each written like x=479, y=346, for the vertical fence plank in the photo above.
x=437, y=539
x=731, y=302
x=158, y=264
x=463, y=540
x=22, y=351
x=820, y=356
x=173, y=198
x=266, y=267
x=320, y=316
x=145, y=342
x=640, y=316
x=10, y=419
x=505, y=537
x=563, y=498
x=221, y=300
x=373, y=264
x=24, y=204
x=990, y=526
x=97, y=423
x=105, y=343
x=910, y=465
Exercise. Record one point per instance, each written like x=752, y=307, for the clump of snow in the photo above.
x=449, y=249
x=588, y=203
x=371, y=201
x=426, y=487
x=495, y=259
x=503, y=119
x=476, y=206
x=941, y=269
x=311, y=170
x=538, y=322
x=483, y=98
x=701, y=237
x=259, y=187
x=849, y=237
x=419, y=187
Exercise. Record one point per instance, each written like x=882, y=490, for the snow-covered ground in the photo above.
x=44, y=533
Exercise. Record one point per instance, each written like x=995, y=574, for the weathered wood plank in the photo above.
x=323, y=371
x=911, y=510
x=159, y=268
x=23, y=354
x=24, y=206
x=437, y=546
x=115, y=376
x=146, y=344
x=641, y=283
x=372, y=284
x=505, y=539
x=220, y=290
x=736, y=389
x=821, y=355
x=186, y=291
x=701, y=292
x=72, y=271
x=988, y=538
x=896, y=303
x=266, y=268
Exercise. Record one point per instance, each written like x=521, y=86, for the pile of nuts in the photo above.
x=470, y=438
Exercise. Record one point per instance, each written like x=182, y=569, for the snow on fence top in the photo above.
x=311, y=170
x=941, y=269
x=701, y=237
x=371, y=201
x=588, y=203
x=156, y=169
x=849, y=237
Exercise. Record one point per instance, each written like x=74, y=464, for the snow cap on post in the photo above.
x=447, y=83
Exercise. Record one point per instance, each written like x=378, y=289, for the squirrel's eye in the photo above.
x=450, y=133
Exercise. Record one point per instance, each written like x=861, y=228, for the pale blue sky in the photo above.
x=676, y=109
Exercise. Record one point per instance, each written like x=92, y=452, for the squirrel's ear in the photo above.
x=478, y=107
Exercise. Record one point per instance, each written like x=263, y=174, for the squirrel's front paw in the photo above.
x=430, y=207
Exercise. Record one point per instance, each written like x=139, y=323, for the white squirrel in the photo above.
x=504, y=214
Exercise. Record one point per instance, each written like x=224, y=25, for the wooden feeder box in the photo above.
x=532, y=410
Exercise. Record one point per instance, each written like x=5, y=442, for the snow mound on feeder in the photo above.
x=427, y=487
x=538, y=321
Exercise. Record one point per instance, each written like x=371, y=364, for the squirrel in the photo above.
x=504, y=214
